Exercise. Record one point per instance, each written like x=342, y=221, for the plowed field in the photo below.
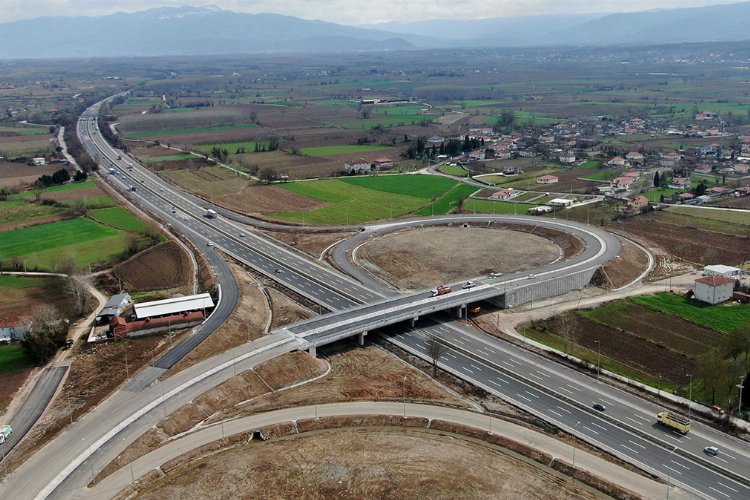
x=163, y=266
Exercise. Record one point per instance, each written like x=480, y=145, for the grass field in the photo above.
x=15, y=211
x=13, y=357
x=449, y=201
x=25, y=130
x=10, y=281
x=453, y=170
x=717, y=317
x=726, y=216
x=56, y=189
x=182, y=131
x=343, y=149
x=44, y=245
x=359, y=199
x=496, y=207
x=148, y=160
x=118, y=218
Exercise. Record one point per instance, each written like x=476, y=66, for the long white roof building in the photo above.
x=173, y=306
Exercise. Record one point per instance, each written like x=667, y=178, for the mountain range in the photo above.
x=210, y=30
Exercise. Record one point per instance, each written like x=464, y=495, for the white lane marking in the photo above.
x=729, y=456
x=727, y=487
x=542, y=373
x=574, y=387
x=717, y=458
x=673, y=470
x=636, y=444
x=531, y=394
x=599, y=426
x=680, y=465
x=633, y=420
x=564, y=389
x=648, y=420
x=535, y=376
x=718, y=491
x=475, y=367
x=523, y=397
x=589, y=429
x=564, y=409
x=606, y=402
x=468, y=370
x=629, y=448
x=514, y=361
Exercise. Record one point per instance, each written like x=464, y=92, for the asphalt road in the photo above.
x=34, y=406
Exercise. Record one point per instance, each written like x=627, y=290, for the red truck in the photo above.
x=441, y=290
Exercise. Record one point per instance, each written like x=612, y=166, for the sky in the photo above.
x=349, y=11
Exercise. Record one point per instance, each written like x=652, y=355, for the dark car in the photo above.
x=278, y=271
x=599, y=407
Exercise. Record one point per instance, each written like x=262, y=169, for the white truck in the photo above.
x=211, y=214
x=5, y=432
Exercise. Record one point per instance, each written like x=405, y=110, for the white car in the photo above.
x=210, y=243
x=469, y=284
x=711, y=450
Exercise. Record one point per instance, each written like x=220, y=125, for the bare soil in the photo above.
x=743, y=202
x=247, y=322
x=285, y=310
x=420, y=258
x=312, y=244
x=383, y=463
x=12, y=383
x=96, y=371
x=626, y=267
x=14, y=174
x=688, y=243
x=159, y=267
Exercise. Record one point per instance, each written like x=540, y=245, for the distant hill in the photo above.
x=186, y=31
x=211, y=30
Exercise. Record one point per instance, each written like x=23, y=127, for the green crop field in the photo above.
x=55, y=189
x=118, y=218
x=43, y=245
x=343, y=149
x=13, y=357
x=359, y=199
x=11, y=281
x=496, y=207
x=14, y=211
x=453, y=170
x=148, y=160
x=449, y=201
x=25, y=130
x=725, y=318
x=181, y=131
x=696, y=212
x=605, y=174
x=589, y=164
x=232, y=147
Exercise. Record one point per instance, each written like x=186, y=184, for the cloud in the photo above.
x=348, y=11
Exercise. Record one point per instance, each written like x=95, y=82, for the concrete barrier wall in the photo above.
x=545, y=289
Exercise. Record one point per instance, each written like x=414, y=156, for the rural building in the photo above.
x=542, y=209
x=504, y=194
x=38, y=162
x=14, y=328
x=714, y=289
x=722, y=270
x=547, y=179
x=357, y=168
x=634, y=156
x=383, y=163
x=622, y=182
x=638, y=203
x=560, y=202
x=568, y=157
x=680, y=183
x=113, y=308
x=121, y=328
x=686, y=196
x=617, y=161
x=176, y=305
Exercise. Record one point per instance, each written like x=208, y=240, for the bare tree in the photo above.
x=47, y=332
x=38, y=189
x=435, y=349
x=79, y=286
x=565, y=327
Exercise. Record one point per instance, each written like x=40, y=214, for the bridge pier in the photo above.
x=361, y=338
x=413, y=321
x=312, y=351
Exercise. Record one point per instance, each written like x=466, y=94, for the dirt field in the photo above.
x=285, y=310
x=690, y=244
x=368, y=463
x=626, y=267
x=12, y=383
x=743, y=202
x=159, y=267
x=14, y=174
x=247, y=322
x=94, y=374
x=312, y=244
x=421, y=258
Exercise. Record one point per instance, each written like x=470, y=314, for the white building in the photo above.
x=14, y=328
x=560, y=202
x=357, y=168
x=722, y=270
x=176, y=305
x=714, y=289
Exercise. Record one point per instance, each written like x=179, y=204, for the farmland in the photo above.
x=159, y=159
x=183, y=131
x=164, y=266
x=340, y=150
x=118, y=218
x=717, y=317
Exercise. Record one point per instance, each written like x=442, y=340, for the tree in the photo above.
x=38, y=189
x=700, y=189
x=79, y=286
x=656, y=179
x=565, y=327
x=268, y=175
x=435, y=349
x=713, y=372
x=47, y=332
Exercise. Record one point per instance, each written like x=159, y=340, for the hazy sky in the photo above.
x=349, y=11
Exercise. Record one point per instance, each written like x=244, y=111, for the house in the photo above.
x=504, y=194
x=547, y=179
x=38, y=162
x=680, y=183
x=14, y=328
x=622, y=183
x=542, y=209
x=702, y=169
x=616, y=162
x=742, y=168
x=670, y=159
x=706, y=115
x=742, y=191
x=435, y=139
x=714, y=289
x=717, y=190
x=567, y=157
x=634, y=156
x=638, y=203
x=383, y=163
x=113, y=308
x=357, y=168
x=685, y=196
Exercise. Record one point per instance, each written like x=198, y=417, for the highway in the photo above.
x=479, y=362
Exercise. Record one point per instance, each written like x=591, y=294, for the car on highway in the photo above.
x=469, y=284
x=210, y=243
x=174, y=210
x=599, y=407
x=531, y=276
x=711, y=450
x=495, y=275
x=278, y=270
x=242, y=235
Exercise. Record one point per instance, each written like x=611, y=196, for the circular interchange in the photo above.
x=417, y=258
x=599, y=245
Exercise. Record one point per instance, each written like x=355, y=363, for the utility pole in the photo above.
x=741, y=386
x=690, y=391
x=598, y=358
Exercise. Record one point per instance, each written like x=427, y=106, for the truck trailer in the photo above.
x=5, y=432
x=674, y=421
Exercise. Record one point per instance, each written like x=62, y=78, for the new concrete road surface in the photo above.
x=636, y=483
x=34, y=406
x=100, y=435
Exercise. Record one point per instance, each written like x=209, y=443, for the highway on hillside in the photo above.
x=204, y=232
